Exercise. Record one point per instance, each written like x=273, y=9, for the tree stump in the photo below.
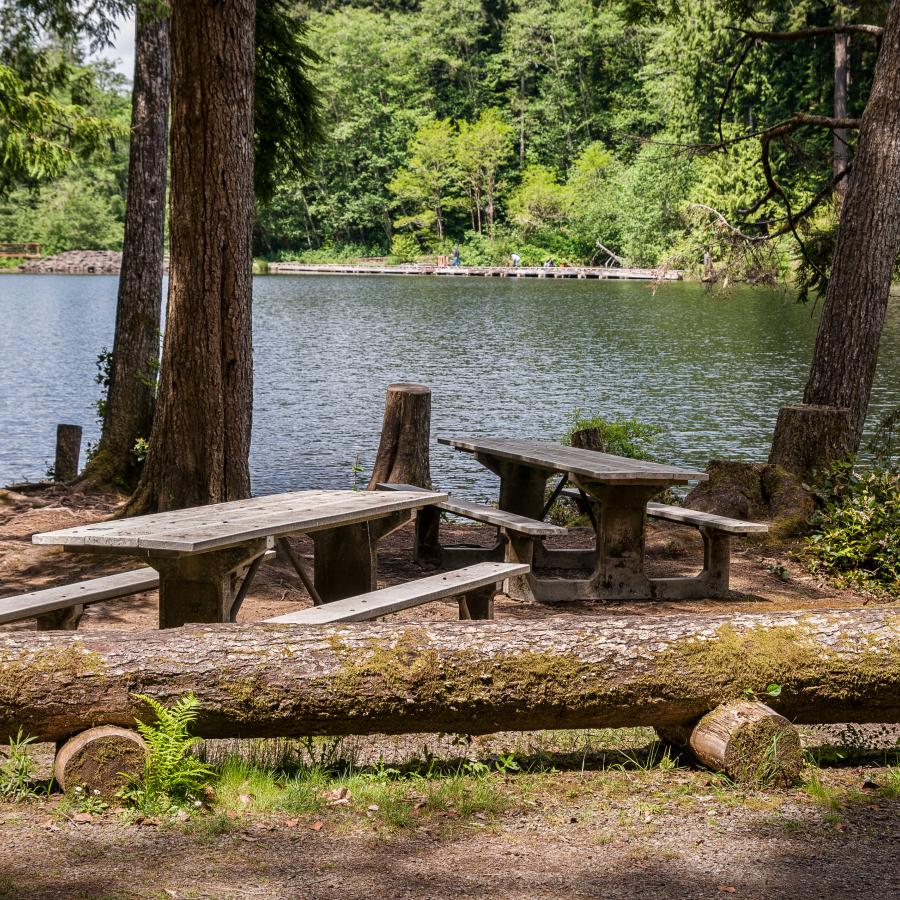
x=403, y=452
x=589, y=439
x=811, y=437
x=68, y=449
x=100, y=760
x=748, y=741
x=404, y=458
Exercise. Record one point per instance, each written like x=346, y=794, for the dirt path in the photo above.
x=611, y=835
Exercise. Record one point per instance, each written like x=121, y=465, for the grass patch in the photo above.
x=390, y=798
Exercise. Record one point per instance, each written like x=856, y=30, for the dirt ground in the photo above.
x=605, y=833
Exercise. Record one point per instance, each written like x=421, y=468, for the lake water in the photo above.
x=502, y=356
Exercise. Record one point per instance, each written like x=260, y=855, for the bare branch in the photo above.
x=729, y=86
x=800, y=34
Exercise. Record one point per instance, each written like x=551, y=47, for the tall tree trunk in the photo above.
x=840, y=156
x=846, y=349
x=132, y=376
x=201, y=431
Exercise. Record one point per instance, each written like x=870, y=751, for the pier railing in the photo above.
x=582, y=272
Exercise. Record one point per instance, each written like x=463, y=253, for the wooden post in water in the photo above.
x=68, y=449
x=404, y=457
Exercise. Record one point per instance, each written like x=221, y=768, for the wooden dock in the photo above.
x=580, y=272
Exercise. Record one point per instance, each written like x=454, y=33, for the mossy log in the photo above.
x=747, y=740
x=101, y=761
x=561, y=672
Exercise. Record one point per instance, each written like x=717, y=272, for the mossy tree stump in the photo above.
x=101, y=760
x=748, y=741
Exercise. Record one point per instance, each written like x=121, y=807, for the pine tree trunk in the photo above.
x=392, y=678
x=840, y=156
x=846, y=349
x=201, y=431
x=132, y=377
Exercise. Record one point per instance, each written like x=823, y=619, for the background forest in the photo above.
x=537, y=127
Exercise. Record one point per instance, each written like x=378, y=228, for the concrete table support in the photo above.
x=346, y=557
x=202, y=587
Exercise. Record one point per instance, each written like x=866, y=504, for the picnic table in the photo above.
x=618, y=490
x=207, y=555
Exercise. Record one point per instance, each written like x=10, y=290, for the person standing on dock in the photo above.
x=456, y=255
x=515, y=260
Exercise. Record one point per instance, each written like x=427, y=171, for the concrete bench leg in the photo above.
x=60, y=619
x=519, y=549
x=478, y=604
x=716, y=560
x=427, y=548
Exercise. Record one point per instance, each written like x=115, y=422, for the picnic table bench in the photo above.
x=204, y=556
x=617, y=493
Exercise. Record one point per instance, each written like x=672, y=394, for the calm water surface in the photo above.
x=504, y=357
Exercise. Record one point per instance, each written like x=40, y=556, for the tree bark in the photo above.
x=403, y=452
x=748, y=741
x=200, y=443
x=269, y=680
x=846, y=349
x=840, y=156
x=810, y=437
x=132, y=376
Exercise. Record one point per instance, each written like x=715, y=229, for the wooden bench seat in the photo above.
x=517, y=537
x=60, y=608
x=47, y=604
x=474, y=585
x=699, y=519
x=488, y=514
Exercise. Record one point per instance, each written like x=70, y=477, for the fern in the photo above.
x=172, y=774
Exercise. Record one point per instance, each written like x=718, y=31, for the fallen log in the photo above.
x=747, y=740
x=560, y=672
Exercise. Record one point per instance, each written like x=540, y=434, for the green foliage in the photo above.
x=856, y=530
x=41, y=135
x=428, y=185
x=173, y=775
x=17, y=769
x=621, y=437
x=481, y=150
x=539, y=202
x=404, y=249
x=287, y=107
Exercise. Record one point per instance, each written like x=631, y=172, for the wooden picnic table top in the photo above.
x=220, y=525
x=602, y=467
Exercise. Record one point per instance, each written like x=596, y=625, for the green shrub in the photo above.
x=17, y=770
x=404, y=249
x=857, y=526
x=622, y=437
x=173, y=775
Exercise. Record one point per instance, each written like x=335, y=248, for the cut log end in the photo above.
x=403, y=451
x=100, y=761
x=747, y=741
